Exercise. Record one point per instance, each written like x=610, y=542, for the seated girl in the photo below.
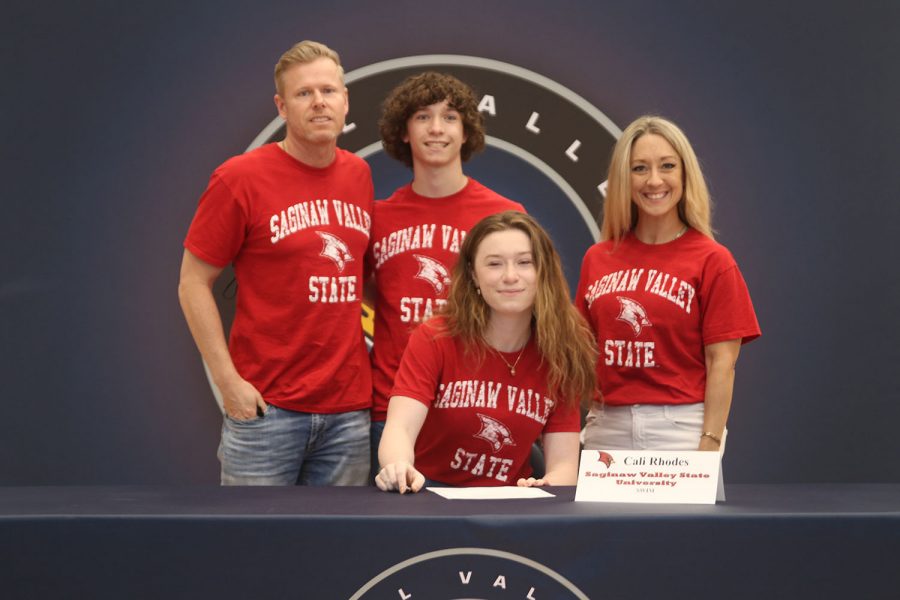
x=506, y=364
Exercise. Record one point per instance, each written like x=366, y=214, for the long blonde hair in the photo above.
x=563, y=338
x=620, y=215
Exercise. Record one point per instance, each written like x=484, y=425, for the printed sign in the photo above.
x=665, y=477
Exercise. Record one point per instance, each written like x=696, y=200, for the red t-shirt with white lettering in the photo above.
x=297, y=237
x=415, y=244
x=482, y=420
x=653, y=309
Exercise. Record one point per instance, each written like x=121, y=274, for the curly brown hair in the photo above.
x=419, y=91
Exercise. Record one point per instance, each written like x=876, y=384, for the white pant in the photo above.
x=648, y=427
x=643, y=427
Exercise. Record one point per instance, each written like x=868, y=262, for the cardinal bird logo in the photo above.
x=334, y=248
x=494, y=433
x=634, y=314
x=605, y=457
x=433, y=272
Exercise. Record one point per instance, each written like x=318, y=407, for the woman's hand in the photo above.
x=708, y=444
x=396, y=451
x=721, y=358
x=400, y=477
x=532, y=482
x=562, y=451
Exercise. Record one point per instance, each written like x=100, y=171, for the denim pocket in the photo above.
x=243, y=422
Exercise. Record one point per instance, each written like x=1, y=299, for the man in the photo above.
x=431, y=123
x=294, y=218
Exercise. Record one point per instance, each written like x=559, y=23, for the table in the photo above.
x=767, y=541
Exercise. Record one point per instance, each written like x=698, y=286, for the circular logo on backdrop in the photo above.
x=547, y=147
x=471, y=574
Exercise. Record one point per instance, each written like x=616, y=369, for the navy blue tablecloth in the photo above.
x=767, y=541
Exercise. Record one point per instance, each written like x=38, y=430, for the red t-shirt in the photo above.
x=297, y=237
x=415, y=244
x=481, y=420
x=653, y=309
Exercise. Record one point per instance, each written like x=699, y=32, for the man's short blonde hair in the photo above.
x=302, y=53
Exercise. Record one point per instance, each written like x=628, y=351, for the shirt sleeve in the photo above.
x=219, y=228
x=420, y=367
x=564, y=419
x=727, y=311
x=581, y=290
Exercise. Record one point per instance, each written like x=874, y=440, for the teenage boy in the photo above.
x=430, y=123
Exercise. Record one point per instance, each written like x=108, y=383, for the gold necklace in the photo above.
x=677, y=235
x=512, y=367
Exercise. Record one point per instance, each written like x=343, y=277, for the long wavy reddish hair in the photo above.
x=563, y=338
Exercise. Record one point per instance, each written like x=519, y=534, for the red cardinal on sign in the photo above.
x=606, y=458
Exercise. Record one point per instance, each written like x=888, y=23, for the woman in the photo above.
x=667, y=303
x=506, y=364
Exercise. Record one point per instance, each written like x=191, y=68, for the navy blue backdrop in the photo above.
x=114, y=115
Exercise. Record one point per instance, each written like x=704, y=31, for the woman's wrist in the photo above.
x=712, y=436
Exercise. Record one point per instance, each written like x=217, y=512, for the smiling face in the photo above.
x=657, y=178
x=435, y=135
x=505, y=272
x=313, y=102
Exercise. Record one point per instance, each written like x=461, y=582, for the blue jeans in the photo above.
x=293, y=448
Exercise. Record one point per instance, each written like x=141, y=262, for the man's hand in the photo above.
x=241, y=400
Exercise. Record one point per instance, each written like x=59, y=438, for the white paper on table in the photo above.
x=489, y=493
